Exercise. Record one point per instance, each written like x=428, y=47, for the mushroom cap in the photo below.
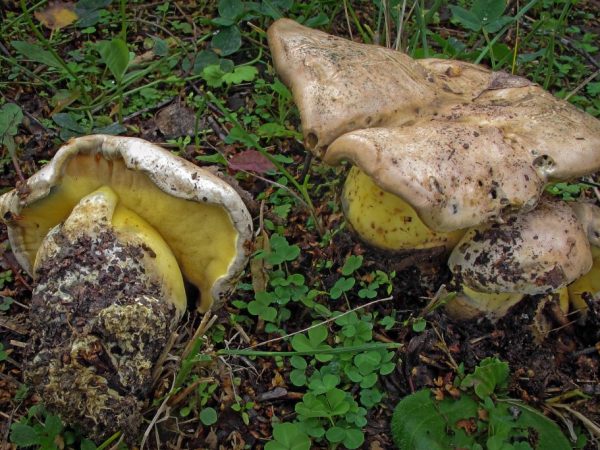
x=374, y=106
x=202, y=218
x=533, y=253
x=386, y=221
x=454, y=176
x=589, y=216
x=340, y=85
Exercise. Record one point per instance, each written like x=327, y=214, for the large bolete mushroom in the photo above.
x=461, y=144
x=109, y=230
x=538, y=252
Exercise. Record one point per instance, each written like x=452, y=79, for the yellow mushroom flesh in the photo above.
x=386, y=221
x=588, y=284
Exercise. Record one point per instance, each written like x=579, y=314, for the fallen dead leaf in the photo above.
x=250, y=160
x=57, y=15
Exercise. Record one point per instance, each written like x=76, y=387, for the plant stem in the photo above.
x=517, y=17
x=327, y=351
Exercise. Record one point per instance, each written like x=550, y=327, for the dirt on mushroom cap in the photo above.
x=534, y=253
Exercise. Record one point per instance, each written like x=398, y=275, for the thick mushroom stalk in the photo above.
x=109, y=229
x=535, y=253
x=461, y=144
x=109, y=293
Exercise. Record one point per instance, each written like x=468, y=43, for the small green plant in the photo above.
x=242, y=408
x=288, y=436
x=5, y=277
x=567, y=191
x=481, y=416
x=45, y=431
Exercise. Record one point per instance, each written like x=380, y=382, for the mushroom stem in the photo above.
x=109, y=293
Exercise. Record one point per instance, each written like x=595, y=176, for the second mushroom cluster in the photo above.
x=450, y=154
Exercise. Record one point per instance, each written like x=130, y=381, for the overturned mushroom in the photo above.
x=110, y=229
x=534, y=253
x=461, y=144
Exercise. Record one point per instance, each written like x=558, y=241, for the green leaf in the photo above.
x=272, y=129
x=354, y=438
x=546, y=433
x=213, y=75
x=53, y=425
x=419, y=325
x=231, y=9
x=281, y=250
x=160, y=48
x=341, y=285
x=288, y=436
x=86, y=444
x=367, y=362
x=238, y=134
x=11, y=117
x=496, y=25
x=115, y=55
x=36, y=53
x=208, y=416
x=419, y=422
x=335, y=434
x=490, y=374
x=488, y=11
x=466, y=18
x=240, y=74
x=23, y=435
x=338, y=402
x=353, y=262
x=298, y=377
x=227, y=41
x=204, y=59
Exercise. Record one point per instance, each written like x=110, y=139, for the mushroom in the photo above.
x=589, y=284
x=461, y=144
x=386, y=221
x=109, y=229
x=534, y=253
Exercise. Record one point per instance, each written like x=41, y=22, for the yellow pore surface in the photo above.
x=130, y=228
x=590, y=283
x=470, y=303
x=385, y=220
x=201, y=236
